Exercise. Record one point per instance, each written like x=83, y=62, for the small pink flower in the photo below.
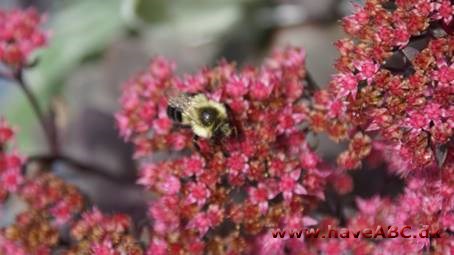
x=206, y=220
x=336, y=108
x=369, y=206
x=161, y=67
x=148, y=175
x=260, y=196
x=423, y=7
x=165, y=213
x=294, y=90
x=443, y=9
x=286, y=121
x=192, y=83
x=237, y=163
x=20, y=35
x=277, y=165
x=344, y=46
x=193, y=165
x=401, y=35
x=237, y=86
x=288, y=185
x=61, y=212
x=178, y=141
x=162, y=126
x=215, y=214
x=309, y=160
x=366, y=70
x=200, y=222
x=197, y=193
x=355, y=22
x=444, y=74
x=434, y=111
x=11, y=179
x=417, y=120
x=157, y=247
x=267, y=244
x=10, y=247
x=169, y=185
x=103, y=248
x=6, y=133
x=262, y=88
x=346, y=83
x=385, y=35
x=123, y=125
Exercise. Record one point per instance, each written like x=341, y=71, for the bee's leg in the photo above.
x=234, y=131
x=195, y=139
x=234, y=123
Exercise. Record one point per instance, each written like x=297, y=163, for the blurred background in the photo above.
x=96, y=45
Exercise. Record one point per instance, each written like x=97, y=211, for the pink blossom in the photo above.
x=11, y=179
x=157, y=247
x=161, y=67
x=288, y=120
x=61, y=212
x=418, y=120
x=366, y=70
x=162, y=125
x=237, y=86
x=20, y=35
x=401, y=36
x=237, y=163
x=206, y=220
x=444, y=74
x=200, y=223
x=260, y=196
x=178, y=141
x=369, y=206
x=104, y=248
x=169, y=185
x=197, y=193
x=309, y=160
x=10, y=247
x=346, y=84
x=6, y=133
x=193, y=165
x=261, y=89
x=164, y=212
x=443, y=9
x=289, y=185
x=149, y=174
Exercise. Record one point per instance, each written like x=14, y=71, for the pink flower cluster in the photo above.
x=10, y=163
x=101, y=234
x=395, y=81
x=52, y=205
x=246, y=184
x=20, y=35
x=393, y=97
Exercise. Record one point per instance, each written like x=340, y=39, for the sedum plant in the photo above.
x=391, y=101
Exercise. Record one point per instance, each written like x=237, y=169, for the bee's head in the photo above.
x=208, y=116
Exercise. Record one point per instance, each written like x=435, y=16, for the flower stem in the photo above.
x=312, y=86
x=47, y=129
x=83, y=167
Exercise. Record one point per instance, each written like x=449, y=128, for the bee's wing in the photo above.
x=181, y=102
x=185, y=103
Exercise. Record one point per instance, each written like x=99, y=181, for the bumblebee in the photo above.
x=207, y=118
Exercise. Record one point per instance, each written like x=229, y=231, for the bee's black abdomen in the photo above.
x=174, y=114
